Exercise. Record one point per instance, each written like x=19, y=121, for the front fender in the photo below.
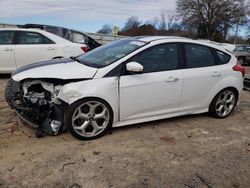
x=104, y=88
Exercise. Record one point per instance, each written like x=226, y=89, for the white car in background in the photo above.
x=19, y=47
x=129, y=81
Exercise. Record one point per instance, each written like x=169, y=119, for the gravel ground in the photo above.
x=191, y=151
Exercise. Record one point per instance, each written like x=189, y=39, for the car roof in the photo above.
x=150, y=39
x=19, y=29
x=155, y=38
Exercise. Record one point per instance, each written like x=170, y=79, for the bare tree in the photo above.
x=132, y=23
x=213, y=17
x=154, y=22
x=162, y=20
x=106, y=29
x=165, y=20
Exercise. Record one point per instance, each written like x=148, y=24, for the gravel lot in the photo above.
x=191, y=151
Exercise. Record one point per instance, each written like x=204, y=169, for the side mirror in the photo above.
x=134, y=67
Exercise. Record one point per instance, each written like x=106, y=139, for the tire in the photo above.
x=10, y=92
x=94, y=115
x=223, y=103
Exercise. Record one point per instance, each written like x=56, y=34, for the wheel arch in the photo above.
x=229, y=87
x=95, y=98
x=75, y=105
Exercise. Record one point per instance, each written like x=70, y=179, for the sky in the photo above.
x=83, y=15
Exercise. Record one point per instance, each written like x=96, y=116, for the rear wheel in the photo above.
x=223, y=103
x=89, y=118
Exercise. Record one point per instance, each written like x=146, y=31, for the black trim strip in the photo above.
x=42, y=64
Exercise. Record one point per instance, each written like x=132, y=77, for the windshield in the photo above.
x=241, y=49
x=109, y=53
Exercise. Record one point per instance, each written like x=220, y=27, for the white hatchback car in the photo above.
x=19, y=47
x=125, y=82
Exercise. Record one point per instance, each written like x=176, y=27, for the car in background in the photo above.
x=242, y=53
x=19, y=47
x=128, y=81
x=68, y=34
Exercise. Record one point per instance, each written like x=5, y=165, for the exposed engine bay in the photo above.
x=36, y=102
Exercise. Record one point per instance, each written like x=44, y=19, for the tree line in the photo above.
x=206, y=19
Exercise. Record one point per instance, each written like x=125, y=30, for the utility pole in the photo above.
x=236, y=33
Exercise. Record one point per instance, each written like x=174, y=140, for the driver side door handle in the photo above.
x=8, y=49
x=171, y=79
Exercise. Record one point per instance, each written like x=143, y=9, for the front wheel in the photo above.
x=223, y=103
x=89, y=118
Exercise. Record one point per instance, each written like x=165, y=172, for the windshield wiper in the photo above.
x=76, y=59
x=86, y=63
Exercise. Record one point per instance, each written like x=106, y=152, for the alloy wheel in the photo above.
x=225, y=103
x=90, y=119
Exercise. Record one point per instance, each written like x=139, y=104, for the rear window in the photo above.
x=224, y=58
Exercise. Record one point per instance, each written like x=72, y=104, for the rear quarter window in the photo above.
x=198, y=56
x=223, y=57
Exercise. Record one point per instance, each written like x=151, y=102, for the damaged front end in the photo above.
x=36, y=103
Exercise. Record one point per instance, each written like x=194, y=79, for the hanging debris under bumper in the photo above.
x=36, y=102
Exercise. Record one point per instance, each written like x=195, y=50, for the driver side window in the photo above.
x=158, y=58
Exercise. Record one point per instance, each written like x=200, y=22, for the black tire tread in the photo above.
x=9, y=93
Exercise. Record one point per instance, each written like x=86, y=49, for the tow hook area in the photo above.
x=51, y=126
x=37, y=104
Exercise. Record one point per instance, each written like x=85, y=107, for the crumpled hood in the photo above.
x=58, y=68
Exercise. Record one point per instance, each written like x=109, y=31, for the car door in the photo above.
x=7, y=58
x=33, y=47
x=157, y=90
x=201, y=75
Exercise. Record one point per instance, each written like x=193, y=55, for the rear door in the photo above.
x=7, y=58
x=33, y=47
x=201, y=75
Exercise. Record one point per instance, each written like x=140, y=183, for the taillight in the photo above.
x=239, y=68
x=84, y=48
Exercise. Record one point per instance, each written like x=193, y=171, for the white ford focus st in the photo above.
x=129, y=81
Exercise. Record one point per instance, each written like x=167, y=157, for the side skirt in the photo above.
x=159, y=117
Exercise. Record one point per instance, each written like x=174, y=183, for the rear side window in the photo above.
x=198, y=56
x=53, y=30
x=6, y=37
x=224, y=58
x=32, y=38
x=79, y=38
